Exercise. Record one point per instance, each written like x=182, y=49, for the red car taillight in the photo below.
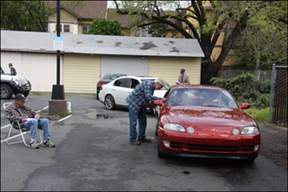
x=100, y=83
x=101, y=88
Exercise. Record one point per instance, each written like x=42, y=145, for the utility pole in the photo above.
x=58, y=104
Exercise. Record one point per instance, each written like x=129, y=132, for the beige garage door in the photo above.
x=81, y=73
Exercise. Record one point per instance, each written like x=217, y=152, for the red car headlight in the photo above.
x=249, y=130
x=174, y=127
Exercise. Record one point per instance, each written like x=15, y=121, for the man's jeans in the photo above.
x=133, y=117
x=33, y=124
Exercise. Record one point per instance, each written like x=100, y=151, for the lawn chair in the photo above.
x=22, y=131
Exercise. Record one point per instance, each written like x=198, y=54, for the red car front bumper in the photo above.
x=208, y=146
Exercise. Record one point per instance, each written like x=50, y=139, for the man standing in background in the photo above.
x=183, y=78
x=12, y=69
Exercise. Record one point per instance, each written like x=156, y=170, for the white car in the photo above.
x=114, y=93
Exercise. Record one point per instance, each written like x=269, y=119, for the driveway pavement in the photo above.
x=274, y=144
x=93, y=154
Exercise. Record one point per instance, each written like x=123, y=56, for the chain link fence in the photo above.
x=261, y=75
x=278, y=96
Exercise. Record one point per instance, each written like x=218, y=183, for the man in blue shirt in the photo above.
x=142, y=94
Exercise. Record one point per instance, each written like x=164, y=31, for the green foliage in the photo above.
x=56, y=116
x=36, y=93
x=261, y=115
x=264, y=41
x=245, y=89
x=25, y=15
x=158, y=30
x=105, y=27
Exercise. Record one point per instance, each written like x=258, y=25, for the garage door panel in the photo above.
x=81, y=73
x=124, y=65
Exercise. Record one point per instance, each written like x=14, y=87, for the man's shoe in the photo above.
x=144, y=140
x=34, y=145
x=48, y=143
x=135, y=142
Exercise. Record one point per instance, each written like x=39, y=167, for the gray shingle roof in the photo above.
x=101, y=44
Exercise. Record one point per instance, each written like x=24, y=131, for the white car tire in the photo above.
x=109, y=102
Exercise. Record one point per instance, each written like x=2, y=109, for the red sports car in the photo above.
x=205, y=121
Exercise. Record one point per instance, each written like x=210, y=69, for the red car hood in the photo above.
x=206, y=116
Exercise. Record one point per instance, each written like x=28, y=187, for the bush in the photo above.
x=259, y=115
x=246, y=89
x=105, y=27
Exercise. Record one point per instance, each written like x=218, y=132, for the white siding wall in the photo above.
x=81, y=73
x=51, y=27
x=39, y=69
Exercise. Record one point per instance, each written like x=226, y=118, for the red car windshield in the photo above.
x=201, y=97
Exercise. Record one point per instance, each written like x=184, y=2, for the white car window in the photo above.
x=134, y=83
x=122, y=83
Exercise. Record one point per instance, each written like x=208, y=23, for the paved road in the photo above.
x=94, y=155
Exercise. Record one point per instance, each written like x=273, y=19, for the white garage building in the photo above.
x=87, y=58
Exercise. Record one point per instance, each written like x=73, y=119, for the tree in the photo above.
x=105, y=27
x=158, y=30
x=228, y=17
x=22, y=15
x=25, y=15
x=264, y=41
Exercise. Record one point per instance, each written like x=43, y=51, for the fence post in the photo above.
x=272, y=93
x=259, y=74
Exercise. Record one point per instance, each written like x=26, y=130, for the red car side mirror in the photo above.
x=158, y=102
x=245, y=106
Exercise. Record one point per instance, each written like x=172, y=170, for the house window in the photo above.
x=142, y=33
x=66, y=28
x=85, y=28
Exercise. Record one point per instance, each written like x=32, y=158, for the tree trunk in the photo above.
x=208, y=70
x=257, y=66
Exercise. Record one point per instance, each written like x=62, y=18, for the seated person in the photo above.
x=180, y=98
x=28, y=119
x=213, y=98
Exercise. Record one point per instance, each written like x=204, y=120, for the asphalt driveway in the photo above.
x=93, y=154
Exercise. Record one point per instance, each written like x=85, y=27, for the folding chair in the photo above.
x=22, y=131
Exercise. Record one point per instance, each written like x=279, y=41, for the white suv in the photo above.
x=13, y=85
